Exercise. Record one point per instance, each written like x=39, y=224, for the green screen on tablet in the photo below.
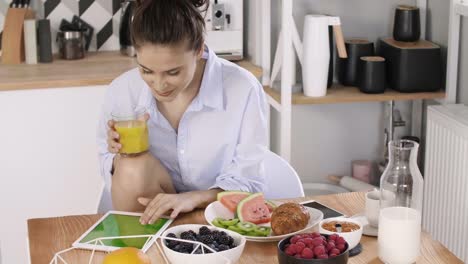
x=123, y=225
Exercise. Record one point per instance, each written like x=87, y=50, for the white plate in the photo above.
x=216, y=209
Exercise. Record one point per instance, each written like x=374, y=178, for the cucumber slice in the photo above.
x=262, y=231
x=237, y=230
x=229, y=222
x=246, y=226
x=217, y=222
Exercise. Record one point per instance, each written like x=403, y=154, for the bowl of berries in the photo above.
x=313, y=248
x=192, y=243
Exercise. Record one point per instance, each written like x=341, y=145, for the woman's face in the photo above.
x=167, y=69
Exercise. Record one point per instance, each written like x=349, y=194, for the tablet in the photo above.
x=117, y=224
x=327, y=211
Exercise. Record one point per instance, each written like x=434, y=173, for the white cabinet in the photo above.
x=48, y=159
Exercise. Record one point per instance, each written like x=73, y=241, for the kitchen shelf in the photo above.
x=97, y=68
x=342, y=94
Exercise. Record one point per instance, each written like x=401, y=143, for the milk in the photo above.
x=399, y=236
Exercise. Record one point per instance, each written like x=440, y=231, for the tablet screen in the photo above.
x=123, y=225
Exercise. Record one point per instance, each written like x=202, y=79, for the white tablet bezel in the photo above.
x=78, y=244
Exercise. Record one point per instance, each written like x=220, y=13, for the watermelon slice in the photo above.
x=271, y=205
x=253, y=209
x=230, y=199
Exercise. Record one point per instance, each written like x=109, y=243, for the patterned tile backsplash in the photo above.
x=102, y=15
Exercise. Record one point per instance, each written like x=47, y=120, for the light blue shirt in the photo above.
x=222, y=136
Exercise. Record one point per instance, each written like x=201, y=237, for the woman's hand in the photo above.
x=178, y=203
x=113, y=144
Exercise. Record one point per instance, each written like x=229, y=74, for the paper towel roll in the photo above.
x=30, y=43
x=355, y=185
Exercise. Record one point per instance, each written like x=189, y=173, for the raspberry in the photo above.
x=319, y=250
x=307, y=253
x=294, y=239
x=204, y=231
x=289, y=251
x=333, y=255
x=315, y=234
x=330, y=245
x=340, y=240
x=300, y=246
x=294, y=248
x=335, y=251
x=341, y=247
x=323, y=256
x=333, y=237
x=317, y=241
x=308, y=241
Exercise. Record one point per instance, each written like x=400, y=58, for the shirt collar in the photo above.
x=211, y=92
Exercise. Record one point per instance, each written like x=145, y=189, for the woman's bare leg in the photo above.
x=141, y=176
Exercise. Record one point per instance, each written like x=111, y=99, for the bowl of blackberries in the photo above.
x=192, y=243
x=313, y=248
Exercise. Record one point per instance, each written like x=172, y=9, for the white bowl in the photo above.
x=352, y=238
x=232, y=254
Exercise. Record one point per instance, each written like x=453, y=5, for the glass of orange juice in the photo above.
x=133, y=131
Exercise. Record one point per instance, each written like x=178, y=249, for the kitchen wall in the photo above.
x=102, y=15
x=326, y=138
x=438, y=22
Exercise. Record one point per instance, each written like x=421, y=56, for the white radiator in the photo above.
x=445, y=213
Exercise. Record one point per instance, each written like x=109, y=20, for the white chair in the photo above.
x=105, y=201
x=281, y=179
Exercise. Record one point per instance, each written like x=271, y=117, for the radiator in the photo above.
x=445, y=212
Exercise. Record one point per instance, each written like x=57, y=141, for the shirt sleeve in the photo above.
x=246, y=171
x=105, y=157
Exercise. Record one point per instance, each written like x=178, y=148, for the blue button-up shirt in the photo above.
x=221, y=138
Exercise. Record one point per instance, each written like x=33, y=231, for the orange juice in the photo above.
x=133, y=136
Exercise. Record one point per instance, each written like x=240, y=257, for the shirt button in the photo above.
x=182, y=151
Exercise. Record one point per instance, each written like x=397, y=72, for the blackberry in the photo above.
x=187, y=235
x=206, y=239
x=186, y=247
x=231, y=241
x=177, y=247
x=223, y=247
x=204, y=231
x=224, y=240
x=171, y=243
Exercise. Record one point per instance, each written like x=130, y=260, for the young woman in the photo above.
x=205, y=115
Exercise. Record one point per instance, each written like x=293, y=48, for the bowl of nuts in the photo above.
x=349, y=229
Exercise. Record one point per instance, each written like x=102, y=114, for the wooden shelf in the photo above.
x=97, y=68
x=341, y=94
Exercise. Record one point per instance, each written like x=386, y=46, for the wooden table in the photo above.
x=50, y=235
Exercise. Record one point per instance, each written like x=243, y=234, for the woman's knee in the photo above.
x=138, y=173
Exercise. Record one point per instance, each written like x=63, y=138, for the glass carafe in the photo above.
x=399, y=236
